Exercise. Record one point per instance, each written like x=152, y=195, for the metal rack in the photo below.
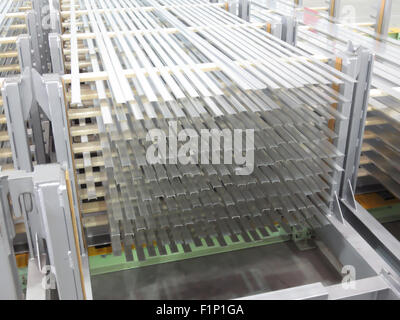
x=123, y=71
x=380, y=149
x=23, y=44
x=190, y=72
x=12, y=24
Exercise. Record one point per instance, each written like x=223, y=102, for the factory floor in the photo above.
x=223, y=276
x=393, y=228
x=236, y=274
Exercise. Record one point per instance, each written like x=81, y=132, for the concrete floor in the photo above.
x=361, y=8
x=222, y=276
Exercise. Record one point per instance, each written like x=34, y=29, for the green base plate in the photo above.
x=102, y=264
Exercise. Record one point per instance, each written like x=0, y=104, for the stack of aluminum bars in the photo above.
x=12, y=24
x=381, y=149
x=136, y=65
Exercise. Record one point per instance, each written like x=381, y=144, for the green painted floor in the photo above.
x=109, y=263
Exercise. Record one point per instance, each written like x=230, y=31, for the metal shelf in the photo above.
x=141, y=66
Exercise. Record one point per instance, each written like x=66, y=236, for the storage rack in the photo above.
x=325, y=36
x=380, y=151
x=12, y=24
x=144, y=65
x=274, y=87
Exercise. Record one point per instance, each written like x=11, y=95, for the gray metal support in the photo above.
x=24, y=51
x=54, y=105
x=35, y=120
x=348, y=65
x=10, y=286
x=232, y=6
x=55, y=16
x=29, y=57
x=17, y=100
x=56, y=54
x=47, y=91
x=43, y=197
x=21, y=195
x=57, y=113
x=372, y=288
x=244, y=9
x=357, y=120
x=289, y=30
x=52, y=199
x=277, y=29
x=32, y=22
x=334, y=9
x=383, y=17
x=41, y=11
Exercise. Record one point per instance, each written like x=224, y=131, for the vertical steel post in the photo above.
x=32, y=22
x=57, y=60
x=56, y=107
x=334, y=9
x=48, y=217
x=41, y=12
x=383, y=17
x=244, y=9
x=346, y=63
x=35, y=119
x=10, y=286
x=16, y=100
x=52, y=200
x=55, y=16
x=358, y=117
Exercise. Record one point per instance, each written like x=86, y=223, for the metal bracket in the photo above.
x=21, y=194
x=244, y=9
x=358, y=115
x=337, y=210
x=384, y=11
x=10, y=286
x=56, y=54
x=289, y=30
x=349, y=196
x=42, y=197
x=21, y=96
x=18, y=99
x=41, y=10
x=392, y=283
x=55, y=16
